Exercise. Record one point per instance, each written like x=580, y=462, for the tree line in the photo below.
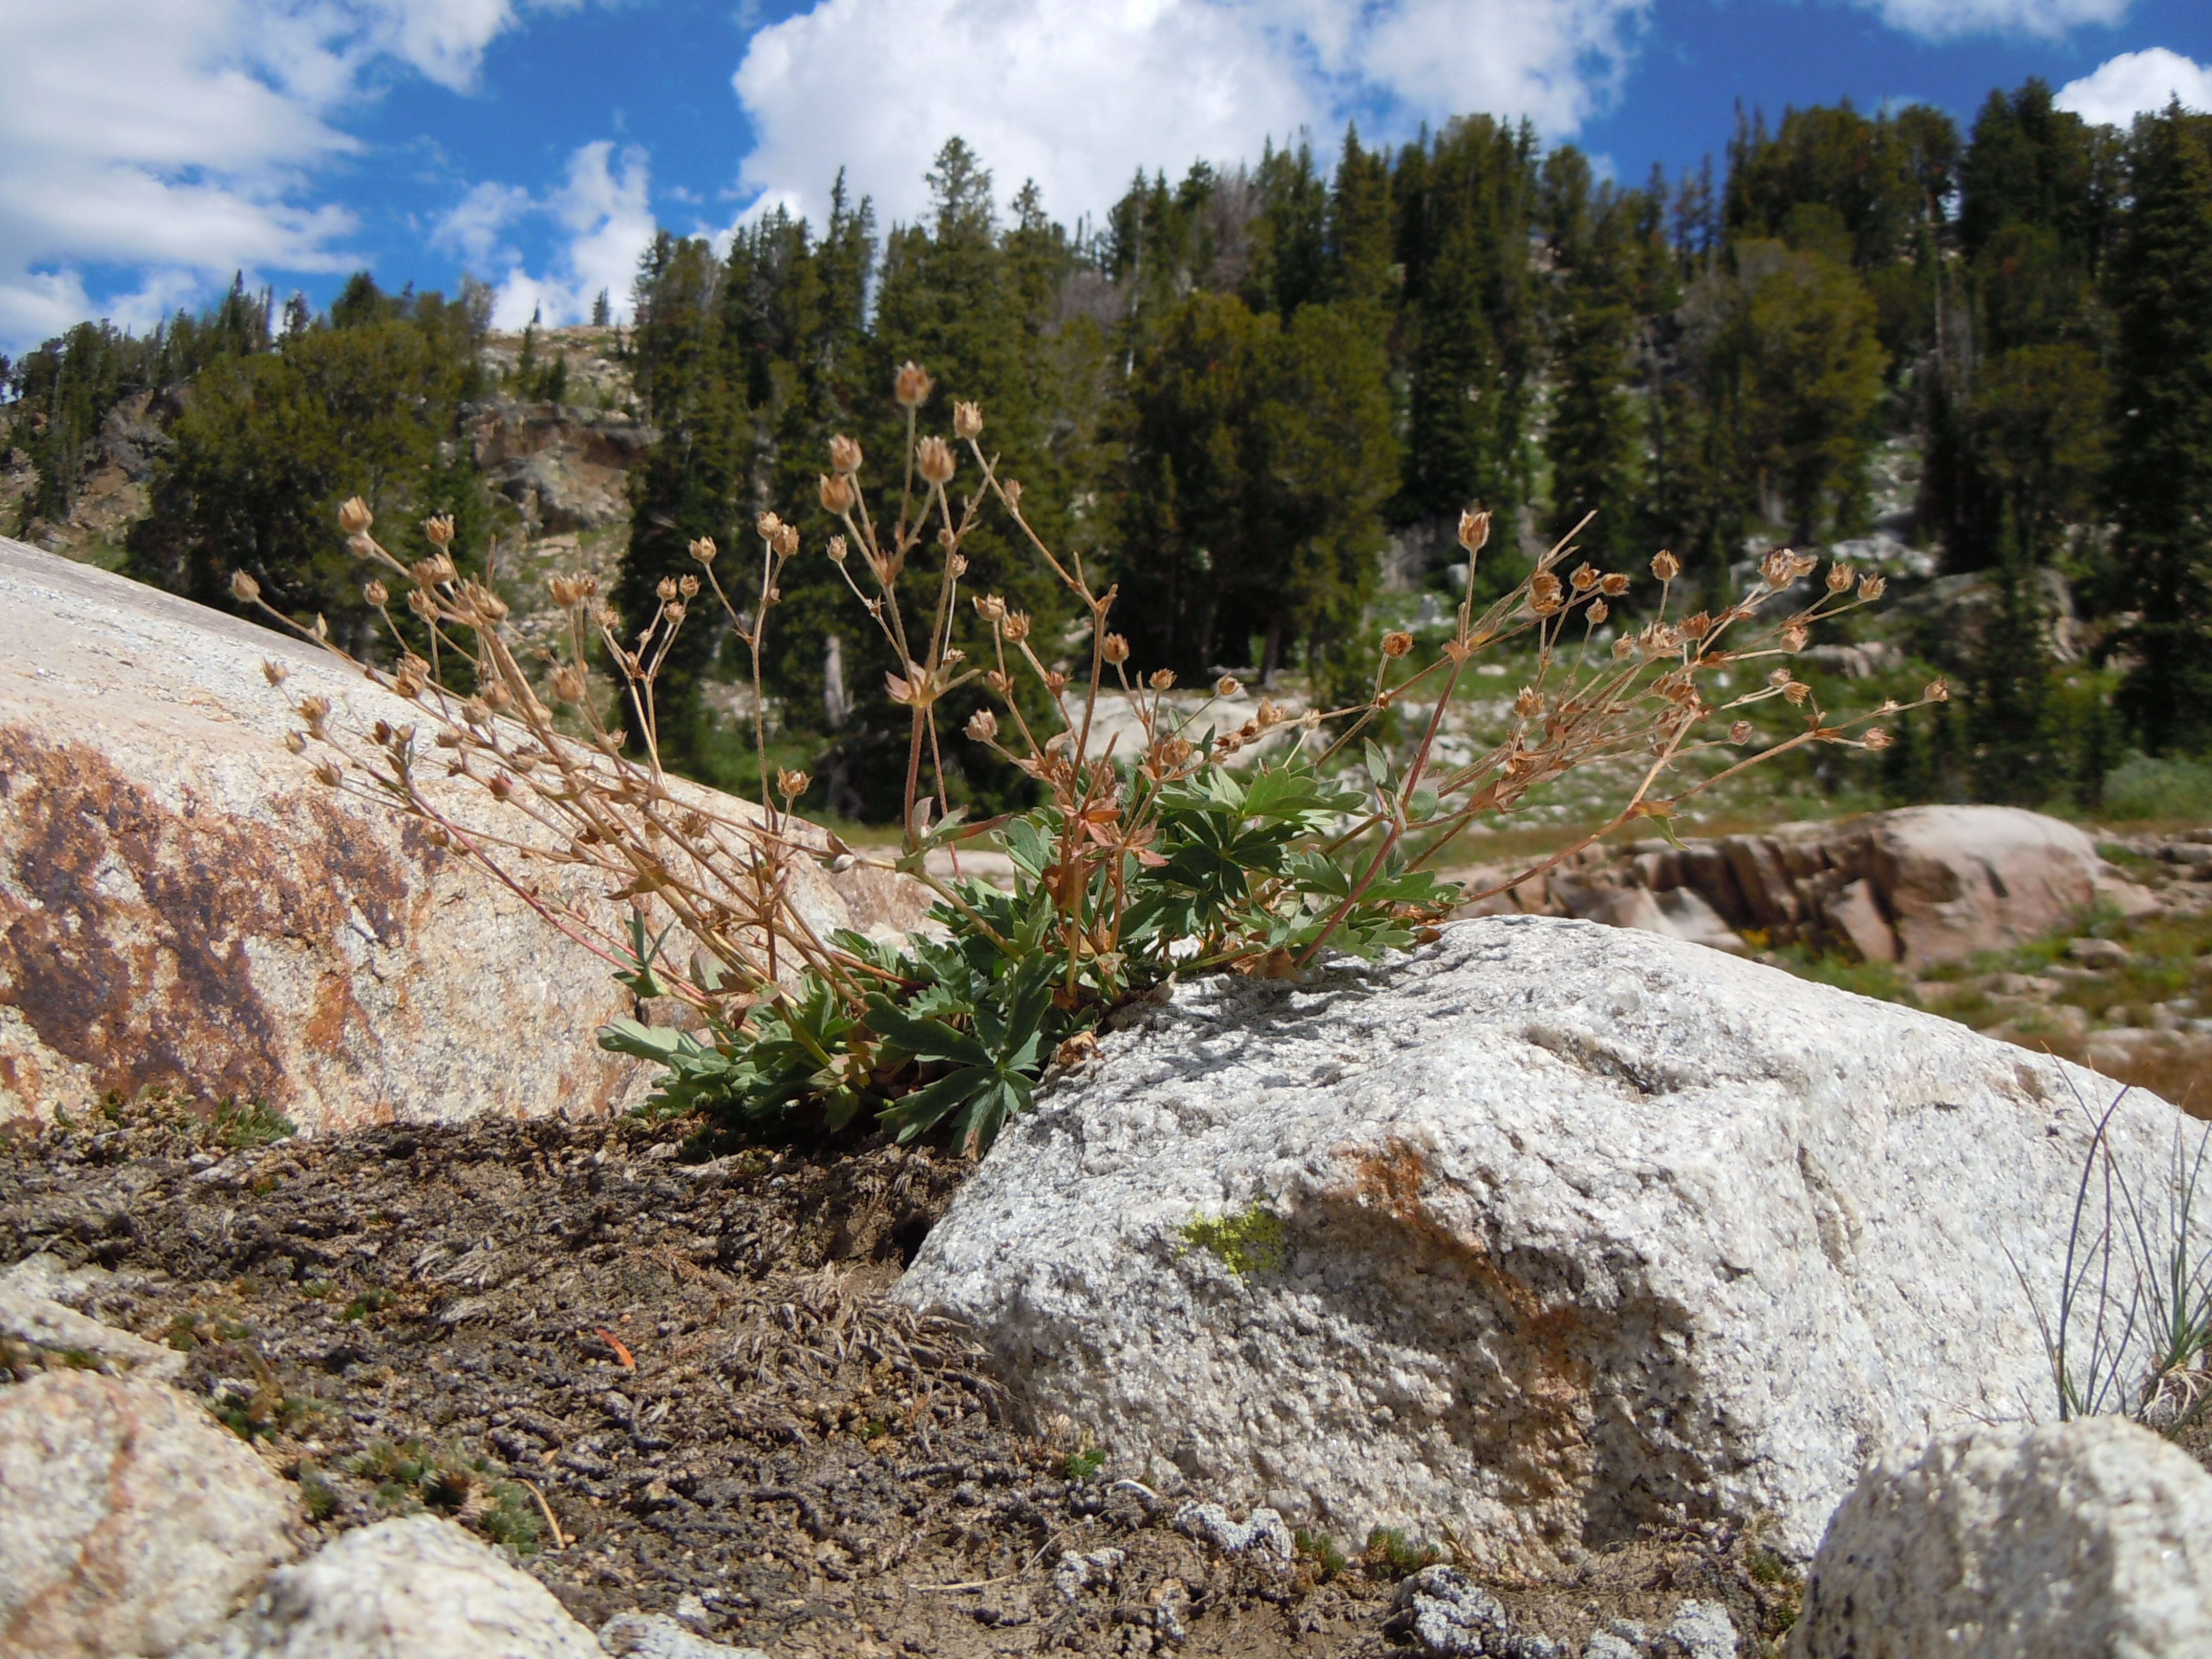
x=1240, y=391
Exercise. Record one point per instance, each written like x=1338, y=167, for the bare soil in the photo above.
x=679, y=1386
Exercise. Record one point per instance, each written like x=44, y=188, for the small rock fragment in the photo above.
x=656, y=1636
x=1263, y=1531
x=1449, y=1616
x=1076, y=1573
x=1700, y=1630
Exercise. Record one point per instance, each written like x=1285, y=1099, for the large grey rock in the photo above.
x=1919, y=885
x=1541, y=1231
x=414, y=1588
x=2089, y=1539
x=130, y=1522
x=656, y=1636
x=181, y=903
x=37, y=1322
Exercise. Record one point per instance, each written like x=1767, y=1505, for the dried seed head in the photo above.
x=1870, y=587
x=1018, y=626
x=275, y=673
x=315, y=709
x=1598, y=613
x=837, y=549
x=1695, y=625
x=1055, y=681
x=376, y=593
x=329, y=772
x=1544, y=589
x=1802, y=564
x=664, y=590
x=1585, y=578
x=990, y=607
x=675, y=613
x=1001, y=685
x=1839, y=577
x=1226, y=686
x=1270, y=715
x=353, y=516
x=837, y=493
x=1161, y=678
x=497, y=696
x=1774, y=569
x=983, y=726
x=785, y=542
x=296, y=742
x=1397, y=643
x=1796, y=691
x=1740, y=732
x=502, y=787
x=1612, y=583
x=910, y=385
x=1624, y=647
x=1665, y=566
x=688, y=587
x=968, y=420
x=1012, y=489
x=1936, y=691
x=1473, y=530
x=844, y=454
x=1528, y=703
x=569, y=683
x=1113, y=648
x=933, y=458
x=945, y=539
x=1794, y=637
x=438, y=530
x=1877, y=737
x=791, y=783
x=244, y=588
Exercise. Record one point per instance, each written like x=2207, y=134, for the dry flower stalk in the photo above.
x=597, y=796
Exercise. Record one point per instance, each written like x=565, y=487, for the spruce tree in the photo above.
x=2161, y=481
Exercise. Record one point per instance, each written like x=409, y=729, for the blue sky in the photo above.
x=149, y=147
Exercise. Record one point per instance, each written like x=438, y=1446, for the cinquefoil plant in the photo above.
x=1175, y=852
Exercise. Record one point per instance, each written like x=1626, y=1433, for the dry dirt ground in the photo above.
x=677, y=1386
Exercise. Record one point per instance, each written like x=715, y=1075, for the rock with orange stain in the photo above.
x=182, y=904
x=1532, y=1237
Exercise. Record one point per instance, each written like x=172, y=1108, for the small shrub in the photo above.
x=1141, y=860
x=1390, y=1554
x=317, y=1495
x=1083, y=1465
x=2141, y=787
x=239, y=1124
x=1320, y=1549
x=409, y=1477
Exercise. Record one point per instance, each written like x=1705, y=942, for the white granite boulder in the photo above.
x=1541, y=1233
x=130, y=1522
x=2088, y=1540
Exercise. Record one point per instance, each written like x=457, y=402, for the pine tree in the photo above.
x=2161, y=481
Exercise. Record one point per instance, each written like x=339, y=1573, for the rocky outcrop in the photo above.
x=182, y=904
x=419, y=1587
x=2076, y=1541
x=1542, y=1233
x=1921, y=885
x=567, y=468
x=132, y=1524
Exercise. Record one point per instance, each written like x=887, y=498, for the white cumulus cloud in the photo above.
x=2123, y=87
x=605, y=212
x=1073, y=93
x=1952, y=20
x=178, y=140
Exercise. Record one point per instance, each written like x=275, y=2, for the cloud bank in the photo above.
x=178, y=141
x=604, y=209
x=2135, y=82
x=1953, y=20
x=1071, y=93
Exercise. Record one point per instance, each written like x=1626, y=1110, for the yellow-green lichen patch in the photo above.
x=1252, y=1241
